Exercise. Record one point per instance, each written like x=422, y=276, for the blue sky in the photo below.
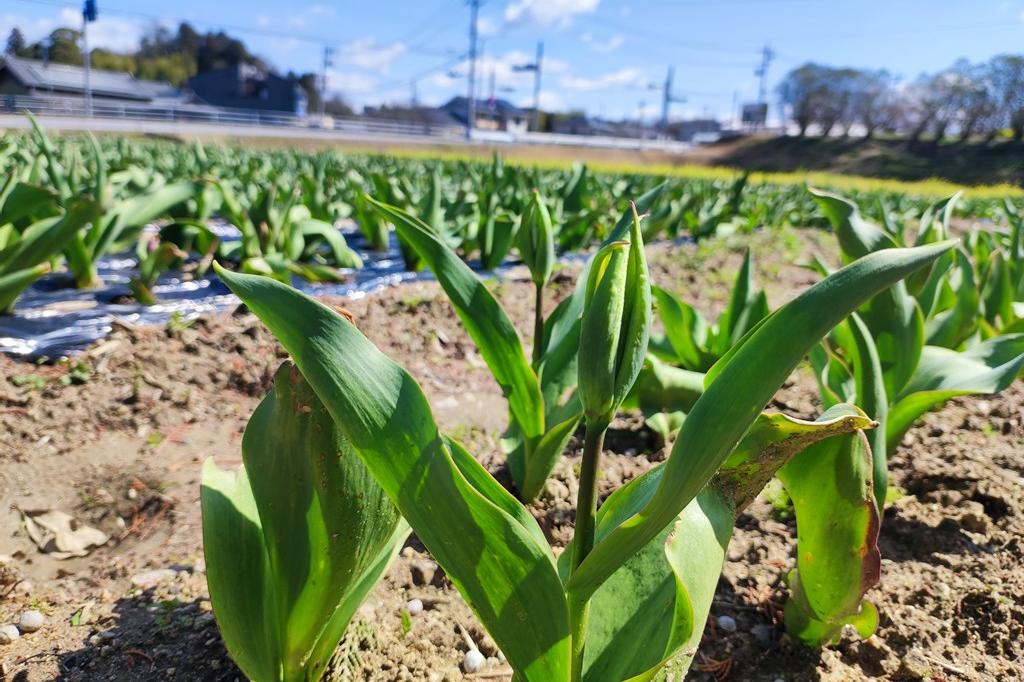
x=606, y=56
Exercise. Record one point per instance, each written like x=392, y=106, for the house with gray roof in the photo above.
x=490, y=114
x=34, y=78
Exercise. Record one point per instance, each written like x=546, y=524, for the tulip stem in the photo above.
x=583, y=538
x=538, y=324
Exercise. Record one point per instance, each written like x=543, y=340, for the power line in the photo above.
x=654, y=35
x=212, y=25
x=474, y=9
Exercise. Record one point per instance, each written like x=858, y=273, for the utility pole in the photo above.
x=536, y=85
x=536, y=67
x=767, y=55
x=327, y=63
x=89, y=14
x=667, y=98
x=415, y=101
x=474, y=8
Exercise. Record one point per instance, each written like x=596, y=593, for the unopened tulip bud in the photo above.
x=616, y=325
x=537, y=240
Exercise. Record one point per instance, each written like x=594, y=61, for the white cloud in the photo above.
x=320, y=10
x=262, y=21
x=549, y=101
x=611, y=44
x=548, y=12
x=486, y=26
x=367, y=54
x=308, y=15
x=32, y=29
x=626, y=77
x=112, y=33
x=349, y=83
x=505, y=74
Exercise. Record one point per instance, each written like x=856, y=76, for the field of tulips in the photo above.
x=623, y=426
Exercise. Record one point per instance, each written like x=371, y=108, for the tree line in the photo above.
x=967, y=100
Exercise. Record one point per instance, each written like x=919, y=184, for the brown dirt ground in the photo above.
x=123, y=451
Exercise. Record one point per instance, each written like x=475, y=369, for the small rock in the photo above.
x=414, y=607
x=473, y=661
x=423, y=572
x=555, y=491
x=726, y=623
x=983, y=407
x=764, y=634
x=975, y=523
x=915, y=666
x=202, y=620
x=974, y=519
x=31, y=621
x=8, y=633
x=133, y=494
x=408, y=552
x=150, y=578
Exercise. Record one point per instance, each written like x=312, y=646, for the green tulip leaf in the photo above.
x=502, y=570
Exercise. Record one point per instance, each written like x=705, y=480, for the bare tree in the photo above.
x=874, y=103
x=810, y=94
x=1007, y=75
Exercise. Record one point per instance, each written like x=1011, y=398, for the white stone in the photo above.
x=8, y=633
x=473, y=661
x=414, y=607
x=31, y=621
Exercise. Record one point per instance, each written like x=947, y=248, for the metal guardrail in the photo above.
x=110, y=115
x=72, y=107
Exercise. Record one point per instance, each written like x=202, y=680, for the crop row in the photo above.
x=76, y=200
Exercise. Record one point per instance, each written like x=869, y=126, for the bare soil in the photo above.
x=121, y=449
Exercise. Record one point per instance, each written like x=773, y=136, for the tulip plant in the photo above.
x=295, y=539
x=34, y=228
x=635, y=587
x=542, y=419
x=926, y=333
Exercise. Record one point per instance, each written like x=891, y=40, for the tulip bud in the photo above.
x=616, y=325
x=537, y=240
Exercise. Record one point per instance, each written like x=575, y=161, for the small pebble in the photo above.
x=150, y=578
x=31, y=621
x=423, y=572
x=727, y=623
x=763, y=634
x=473, y=661
x=414, y=607
x=8, y=633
